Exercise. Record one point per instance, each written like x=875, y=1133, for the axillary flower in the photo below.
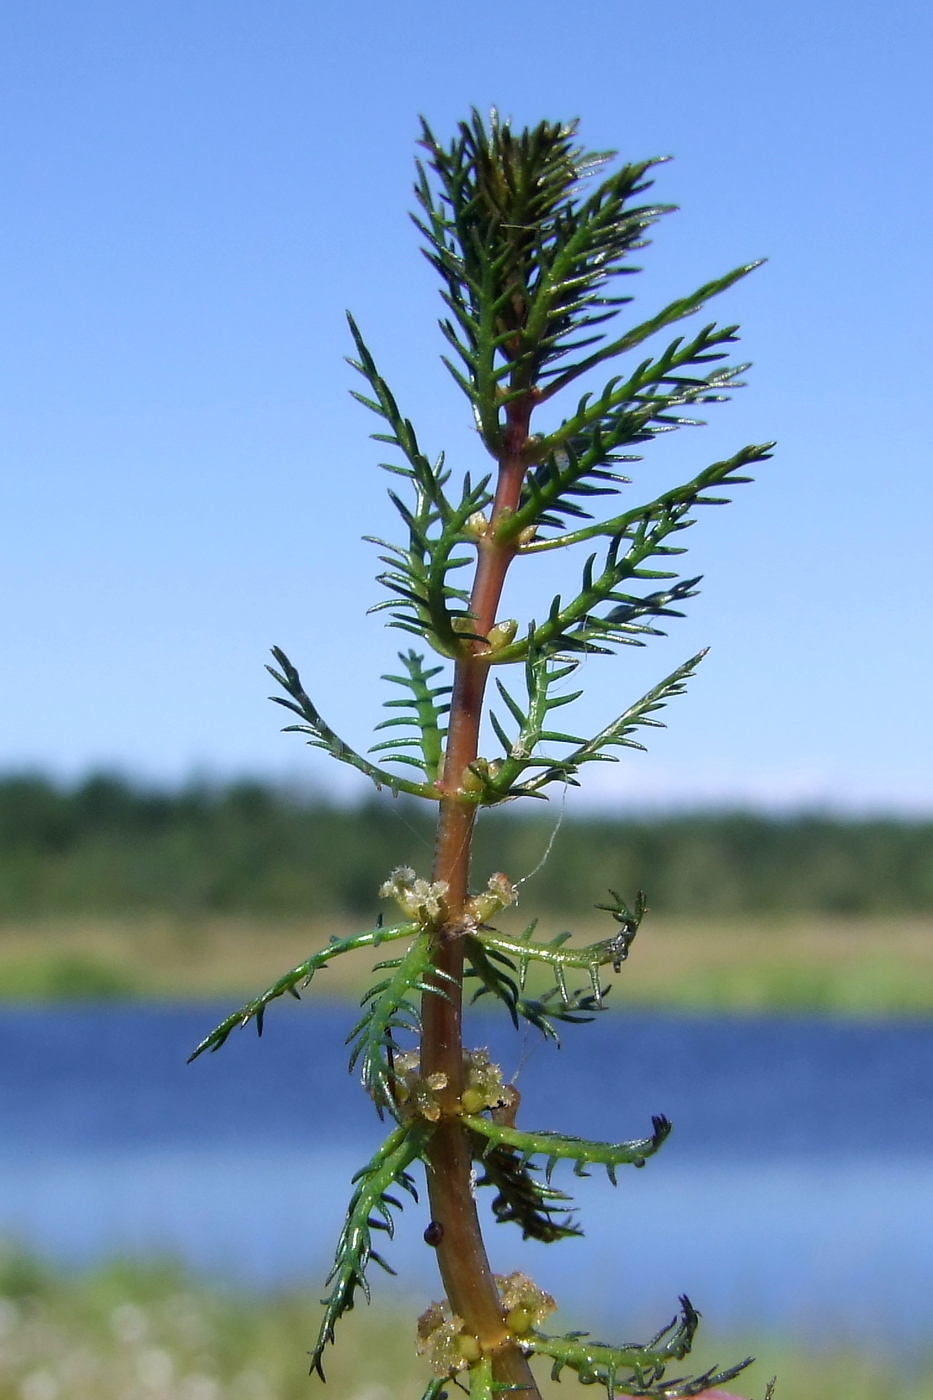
x=526, y=1305
x=416, y=1096
x=449, y=1349
x=483, y=1086
x=442, y=1340
x=417, y=898
x=425, y=902
x=498, y=894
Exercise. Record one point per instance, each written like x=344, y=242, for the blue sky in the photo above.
x=196, y=189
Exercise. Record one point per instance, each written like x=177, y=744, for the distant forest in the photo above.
x=108, y=847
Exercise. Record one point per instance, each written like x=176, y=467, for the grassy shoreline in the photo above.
x=137, y=1328
x=842, y=966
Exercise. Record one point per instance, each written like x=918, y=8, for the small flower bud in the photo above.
x=422, y=901
x=401, y=875
x=415, y=1096
x=476, y=526
x=524, y=1301
x=498, y=894
x=483, y=1087
x=468, y=1346
x=502, y=634
x=472, y=1101
x=473, y=775
x=441, y=1340
x=518, y=1320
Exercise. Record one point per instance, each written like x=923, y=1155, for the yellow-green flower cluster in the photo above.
x=498, y=894
x=442, y=1340
x=416, y=1096
x=524, y=1303
x=448, y=1348
x=419, y=899
x=483, y=1086
x=425, y=903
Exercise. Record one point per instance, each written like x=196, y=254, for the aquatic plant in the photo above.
x=528, y=233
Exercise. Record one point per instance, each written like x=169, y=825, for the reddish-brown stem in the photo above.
x=464, y=1266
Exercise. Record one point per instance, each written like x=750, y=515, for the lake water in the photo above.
x=795, y=1193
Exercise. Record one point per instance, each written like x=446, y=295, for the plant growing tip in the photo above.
x=529, y=234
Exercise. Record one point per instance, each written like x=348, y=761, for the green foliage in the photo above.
x=523, y=757
x=299, y=976
x=527, y=258
x=501, y=965
x=323, y=737
x=370, y=1209
x=539, y=1210
x=427, y=717
x=595, y=1363
x=391, y=1007
x=527, y=261
x=423, y=602
x=583, y=1152
x=108, y=847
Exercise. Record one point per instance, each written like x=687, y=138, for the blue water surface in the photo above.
x=795, y=1193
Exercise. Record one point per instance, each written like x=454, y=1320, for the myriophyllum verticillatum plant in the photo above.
x=529, y=234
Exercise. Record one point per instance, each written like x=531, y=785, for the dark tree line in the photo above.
x=107, y=846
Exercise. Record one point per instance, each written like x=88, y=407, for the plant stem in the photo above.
x=464, y=1266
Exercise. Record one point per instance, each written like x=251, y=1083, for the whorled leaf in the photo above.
x=323, y=737
x=299, y=976
x=631, y=1369
x=504, y=959
x=540, y=1211
x=370, y=1209
x=425, y=709
x=497, y=975
x=525, y=254
x=583, y=1152
x=391, y=1008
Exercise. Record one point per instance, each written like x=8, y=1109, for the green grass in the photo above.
x=138, y=1331
x=65, y=976
x=843, y=966
x=132, y=1331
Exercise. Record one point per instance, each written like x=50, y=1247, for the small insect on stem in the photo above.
x=434, y=1233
